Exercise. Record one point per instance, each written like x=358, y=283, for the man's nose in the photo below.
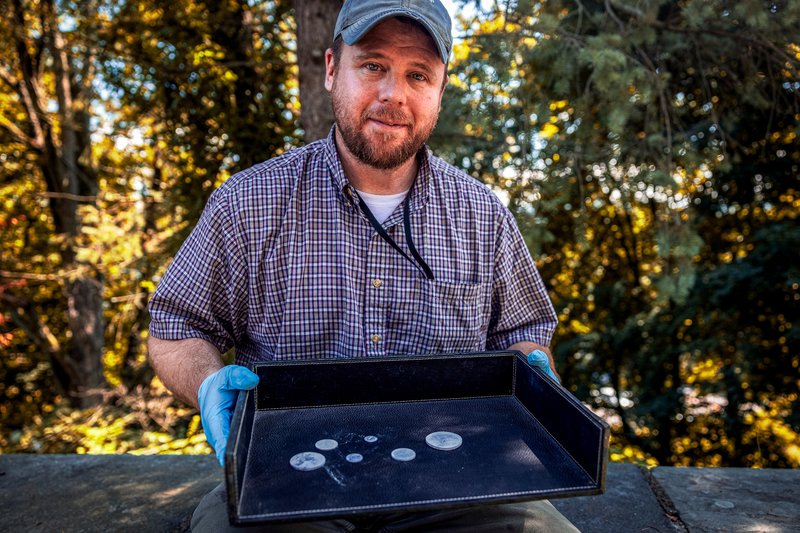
x=393, y=89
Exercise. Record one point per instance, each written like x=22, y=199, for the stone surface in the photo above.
x=86, y=493
x=627, y=505
x=734, y=499
x=102, y=492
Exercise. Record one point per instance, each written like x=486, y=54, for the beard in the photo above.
x=381, y=153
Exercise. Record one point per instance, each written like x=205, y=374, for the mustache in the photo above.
x=388, y=115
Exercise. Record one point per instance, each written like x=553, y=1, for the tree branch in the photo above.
x=68, y=196
x=13, y=84
x=27, y=86
x=18, y=134
x=28, y=276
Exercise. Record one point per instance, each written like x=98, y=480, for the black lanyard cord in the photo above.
x=420, y=263
x=407, y=227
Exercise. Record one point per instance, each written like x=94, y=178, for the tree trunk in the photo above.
x=315, y=22
x=85, y=308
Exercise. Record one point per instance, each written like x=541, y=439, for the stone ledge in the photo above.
x=734, y=499
x=159, y=493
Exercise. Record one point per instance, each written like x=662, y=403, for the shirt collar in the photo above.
x=420, y=190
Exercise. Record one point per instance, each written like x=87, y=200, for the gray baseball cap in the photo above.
x=357, y=17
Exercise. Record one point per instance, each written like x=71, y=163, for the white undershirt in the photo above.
x=382, y=205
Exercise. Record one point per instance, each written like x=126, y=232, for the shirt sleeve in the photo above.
x=521, y=307
x=203, y=294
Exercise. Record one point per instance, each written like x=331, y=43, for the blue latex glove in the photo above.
x=539, y=359
x=217, y=397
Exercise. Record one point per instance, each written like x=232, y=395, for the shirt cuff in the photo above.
x=541, y=334
x=178, y=331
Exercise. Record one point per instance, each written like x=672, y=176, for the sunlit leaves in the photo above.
x=183, y=94
x=646, y=162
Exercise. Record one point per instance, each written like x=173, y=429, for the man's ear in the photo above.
x=330, y=68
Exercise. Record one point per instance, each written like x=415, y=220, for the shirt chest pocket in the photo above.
x=460, y=315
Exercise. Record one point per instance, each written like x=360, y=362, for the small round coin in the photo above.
x=354, y=458
x=371, y=438
x=444, y=440
x=403, y=454
x=326, y=445
x=307, y=461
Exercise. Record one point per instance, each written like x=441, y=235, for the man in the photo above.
x=360, y=245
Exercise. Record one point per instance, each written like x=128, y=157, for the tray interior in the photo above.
x=493, y=401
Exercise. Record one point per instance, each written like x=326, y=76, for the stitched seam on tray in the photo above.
x=514, y=375
x=367, y=360
x=360, y=360
x=437, y=500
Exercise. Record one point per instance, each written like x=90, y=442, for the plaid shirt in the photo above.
x=283, y=265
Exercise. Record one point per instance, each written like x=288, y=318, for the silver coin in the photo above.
x=326, y=445
x=444, y=440
x=371, y=438
x=354, y=458
x=403, y=454
x=307, y=461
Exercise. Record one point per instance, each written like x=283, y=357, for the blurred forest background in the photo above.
x=648, y=148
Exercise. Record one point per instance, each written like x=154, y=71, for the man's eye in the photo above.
x=372, y=66
x=419, y=77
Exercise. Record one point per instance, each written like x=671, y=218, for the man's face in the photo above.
x=386, y=92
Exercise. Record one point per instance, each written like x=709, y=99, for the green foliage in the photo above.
x=650, y=152
x=182, y=95
x=210, y=88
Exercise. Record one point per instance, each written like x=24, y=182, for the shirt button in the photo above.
x=376, y=339
x=377, y=283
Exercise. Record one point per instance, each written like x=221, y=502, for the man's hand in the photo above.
x=539, y=359
x=216, y=398
x=538, y=355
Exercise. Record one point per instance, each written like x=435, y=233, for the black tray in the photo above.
x=524, y=437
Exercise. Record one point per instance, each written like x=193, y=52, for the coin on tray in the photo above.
x=307, y=461
x=326, y=445
x=444, y=440
x=403, y=454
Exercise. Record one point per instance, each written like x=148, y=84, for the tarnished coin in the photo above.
x=444, y=440
x=371, y=438
x=354, y=458
x=326, y=444
x=403, y=454
x=307, y=461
